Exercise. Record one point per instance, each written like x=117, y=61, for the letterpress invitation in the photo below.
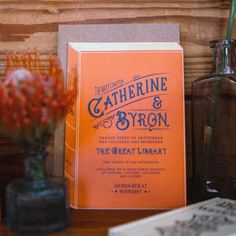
x=125, y=137
x=104, y=33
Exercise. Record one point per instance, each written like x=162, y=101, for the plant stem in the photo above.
x=231, y=20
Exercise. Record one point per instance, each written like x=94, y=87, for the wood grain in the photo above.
x=94, y=222
x=32, y=25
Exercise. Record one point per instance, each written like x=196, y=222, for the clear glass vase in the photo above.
x=214, y=126
x=37, y=204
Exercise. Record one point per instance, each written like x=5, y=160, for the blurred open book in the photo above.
x=213, y=217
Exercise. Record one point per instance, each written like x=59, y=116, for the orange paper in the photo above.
x=125, y=137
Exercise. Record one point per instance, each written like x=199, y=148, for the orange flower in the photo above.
x=33, y=97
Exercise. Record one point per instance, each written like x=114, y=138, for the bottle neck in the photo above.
x=224, y=58
x=35, y=168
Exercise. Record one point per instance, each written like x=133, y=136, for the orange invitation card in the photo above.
x=125, y=136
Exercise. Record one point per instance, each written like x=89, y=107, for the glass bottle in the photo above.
x=214, y=126
x=37, y=203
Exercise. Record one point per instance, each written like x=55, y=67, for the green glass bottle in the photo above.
x=214, y=126
x=37, y=203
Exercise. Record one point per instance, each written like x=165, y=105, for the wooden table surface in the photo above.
x=93, y=222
